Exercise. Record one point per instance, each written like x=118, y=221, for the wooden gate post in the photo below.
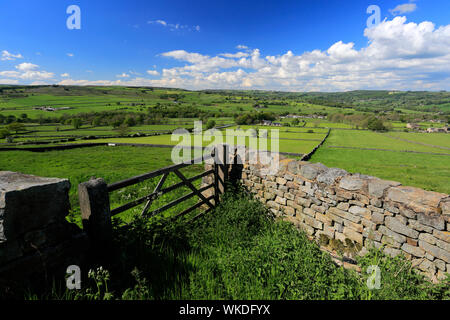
x=96, y=215
x=225, y=161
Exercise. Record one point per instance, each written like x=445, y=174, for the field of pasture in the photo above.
x=110, y=163
x=289, y=142
x=421, y=161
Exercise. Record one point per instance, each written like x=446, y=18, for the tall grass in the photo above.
x=239, y=251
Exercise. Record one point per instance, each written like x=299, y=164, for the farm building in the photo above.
x=412, y=126
x=441, y=130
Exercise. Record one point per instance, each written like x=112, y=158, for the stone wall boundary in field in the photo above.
x=349, y=213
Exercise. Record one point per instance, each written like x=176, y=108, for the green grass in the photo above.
x=370, y=139
x=426, y=171
x=110, y=163
x=295, y=146
x=326, y=124
x=238, y=251
x=436, y=139
x=429, y=172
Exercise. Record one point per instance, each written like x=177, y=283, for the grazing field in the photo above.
x=285, y=145
x=110, y=163
x=429, y=172
x=370, y=139
x=439, y=140
x=320, y=123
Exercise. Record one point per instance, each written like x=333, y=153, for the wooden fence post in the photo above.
x=225, y=161
x=96, y=215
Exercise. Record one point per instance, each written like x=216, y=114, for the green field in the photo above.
x=394, y=149
x=440, y=140
x=426, y=171
x=370, y=139
x=111, y=164
x=285, y=145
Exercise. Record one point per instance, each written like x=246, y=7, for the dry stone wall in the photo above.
x=348, y=213
x=35, y=238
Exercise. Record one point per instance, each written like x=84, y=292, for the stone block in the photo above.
x=388, y=232
x=353, y=235
x=304, y=202
x=355, y=226
x=372, y=234
x=330, y=175
x=442, y=235
x=313, y=222
x=309, y=212
x=390, y=242
x=376, y=202
x=343, y=206
x=427, y=237
x=419, y=227
x=433, y=220
x=281, y=181
x=435, y=251
x=312, y=170
x=417, y=199
x=415, y=251
x=375, y=209
x=344, y=215
x=351, y=183
x=324, y=219
x=445, y=207
x=376, y=187
x=392, y=252
x=363, y=212
x=377, y=218
x=395, y=225
x=28, y=202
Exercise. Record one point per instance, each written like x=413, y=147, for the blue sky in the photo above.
x=275, y=45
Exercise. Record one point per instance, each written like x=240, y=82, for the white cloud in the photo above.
x=26, y=66
x=36, y=75
x=70, y=55
x=10, y=74
x=9, y=56
x=174, y=26
x=403, y=8
x=123, y=75
x=161, y=22
x=9, y=81
x=153, y=72
x=27, y=71
x=398, y=56
x=39, y=83
x=65, y=75
x=241, y=47
x=234, y=55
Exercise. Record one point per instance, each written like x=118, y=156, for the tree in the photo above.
x=76, y=123
x=375, y=124
x=295, y=122
x=130, y=121
x=123, y=130
x=210, y=124
x=97, y=122
x=4, y=133
x=16, y=126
